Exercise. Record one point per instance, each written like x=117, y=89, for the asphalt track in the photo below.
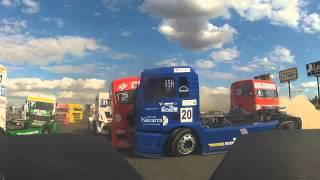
x=195, y=167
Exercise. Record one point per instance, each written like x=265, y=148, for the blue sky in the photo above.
x=47, y=43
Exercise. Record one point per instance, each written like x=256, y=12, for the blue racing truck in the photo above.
x=168, y=120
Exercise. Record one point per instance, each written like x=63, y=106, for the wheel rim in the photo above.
x=187, y=144
x=100, y=127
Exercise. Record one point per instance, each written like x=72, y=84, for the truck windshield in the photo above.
x=126, y=97
x=267, y=93
x=41, y=105
x=156, y=89
x=62, y=110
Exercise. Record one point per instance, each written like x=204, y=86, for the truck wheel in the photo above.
x=2, y=133
x=287, y=125
x=89, y=125
x=184, y=143
x=94, y=127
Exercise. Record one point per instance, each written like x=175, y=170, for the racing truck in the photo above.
x=69, y=113
x=103, y=114
x=122, y=94
x=167, y=114
x=3, y=98
x=38, y=118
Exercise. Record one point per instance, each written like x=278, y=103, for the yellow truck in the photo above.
x=69, y=113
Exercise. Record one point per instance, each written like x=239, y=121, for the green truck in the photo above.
x=37, y=116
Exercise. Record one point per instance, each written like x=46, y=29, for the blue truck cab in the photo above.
x=167, y=117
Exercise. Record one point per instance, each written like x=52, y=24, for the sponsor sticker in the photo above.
x=154, y=121
x=222, y=144
x=165, y=120
x=183, y=89
x=186, y=115
x=192, y=102
x=122, y=86
x=151, y=120
x=169, y=107
x=181, y=70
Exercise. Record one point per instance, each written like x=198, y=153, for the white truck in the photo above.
x=3, y=98
x=103, y=114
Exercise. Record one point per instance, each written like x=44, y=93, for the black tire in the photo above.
x=289, y=124
x=184, y=143
x=94, y=128
x=89, y=126
x=2, y=133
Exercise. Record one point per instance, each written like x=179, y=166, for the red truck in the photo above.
x=122, y=94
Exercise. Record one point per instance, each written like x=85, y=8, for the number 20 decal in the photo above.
x=186, y=114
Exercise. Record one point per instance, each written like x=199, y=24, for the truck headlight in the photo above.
x=118, y=117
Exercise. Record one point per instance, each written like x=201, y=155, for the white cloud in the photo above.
x=9, y=3
x=311, y=23
x=188, y=22
x=311, y=84
x=58, y=21
x=24, y=94
x=197, y=34
x=279, y=58
x=248, y=68
x=281, y=54
x=124, y=33
x=204, y=64
x=12, y=26
x=67, y=95
x=114, y=5
x=65, y=89
x=226, y=55
x=30, y=6
x=27, y=6
x=172, y=62
x=28, y=84
x=97, y=14
x=281, y=12
x=217, y=75
x=21, y=49
x=71, y=69
x=116, y=55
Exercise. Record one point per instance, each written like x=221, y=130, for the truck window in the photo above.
x=244, y=90
x=247, y=90
x=126, y=97
x=156, y=89
x=108, y=114
x=267, y=93
x=183, y=87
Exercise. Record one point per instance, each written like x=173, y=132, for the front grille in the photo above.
x=76, y=116
x=60, y=117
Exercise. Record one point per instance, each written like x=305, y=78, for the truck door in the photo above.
x=244, y=97
x=159, y=103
